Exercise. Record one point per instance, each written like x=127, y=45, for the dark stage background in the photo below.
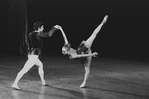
x=125, y=35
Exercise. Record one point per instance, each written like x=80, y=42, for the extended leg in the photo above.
x=90, y=40
x=40, y=71
x=28, y=65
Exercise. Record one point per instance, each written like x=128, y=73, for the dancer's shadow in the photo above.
x=82, y=95
x=18, y=93
x=15, y=93
x=42, y=93
x=119, y=92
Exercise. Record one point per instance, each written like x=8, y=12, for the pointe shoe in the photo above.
x=15, y=87
x=44, y=83
x=105, y=19
x=82, y=85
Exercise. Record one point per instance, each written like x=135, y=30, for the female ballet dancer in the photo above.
x=84, y=50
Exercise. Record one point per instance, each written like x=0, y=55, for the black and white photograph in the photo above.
x=74, y=49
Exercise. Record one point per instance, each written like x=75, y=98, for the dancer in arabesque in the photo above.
x=84, y=51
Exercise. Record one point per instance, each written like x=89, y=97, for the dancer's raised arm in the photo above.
x=64, y=36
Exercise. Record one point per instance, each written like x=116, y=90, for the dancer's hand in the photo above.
x=105, y=19
x=57, y=26
x=95, y=54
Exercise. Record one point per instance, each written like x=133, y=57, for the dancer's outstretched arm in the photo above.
x=84, y=55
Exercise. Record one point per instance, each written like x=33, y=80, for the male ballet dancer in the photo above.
x=36, y=44
x=84, y=50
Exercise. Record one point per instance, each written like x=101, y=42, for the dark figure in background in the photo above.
x=35, y=47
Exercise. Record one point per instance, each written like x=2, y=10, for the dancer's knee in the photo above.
x=39, y=64
x=87, y=69
x=22, y=72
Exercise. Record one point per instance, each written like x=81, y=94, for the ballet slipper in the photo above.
x=82, y=85
x=105, y=19
x=15, y=86
x=43, y=83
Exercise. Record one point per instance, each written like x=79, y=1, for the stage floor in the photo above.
x=109, y=79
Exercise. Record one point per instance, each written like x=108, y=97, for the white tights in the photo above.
x=32, y=60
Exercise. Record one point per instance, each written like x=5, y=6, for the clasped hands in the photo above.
x=57, y=27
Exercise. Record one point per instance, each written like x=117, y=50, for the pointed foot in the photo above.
x=105, y=19
x=44, y=83
x=82, y=85
x=15, y=87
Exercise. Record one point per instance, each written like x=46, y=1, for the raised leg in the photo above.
x=89, y=41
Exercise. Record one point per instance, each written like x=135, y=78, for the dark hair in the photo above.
x=38, y=25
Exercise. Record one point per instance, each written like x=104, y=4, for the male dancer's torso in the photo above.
x=35, y=40
x=35, y=43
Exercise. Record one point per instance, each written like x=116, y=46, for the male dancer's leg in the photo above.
x=40, y=71
x=28, y=65
x=89, y=41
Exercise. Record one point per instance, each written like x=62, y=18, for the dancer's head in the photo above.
x=38, y=26
x=66, y=49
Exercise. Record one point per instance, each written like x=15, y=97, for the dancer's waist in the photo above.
x=35, y=51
